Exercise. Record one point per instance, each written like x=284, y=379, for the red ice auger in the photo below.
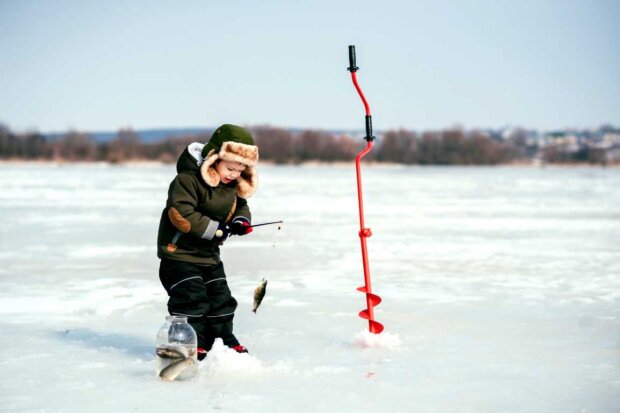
x=372, y=300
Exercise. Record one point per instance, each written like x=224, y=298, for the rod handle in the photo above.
x=352, y=68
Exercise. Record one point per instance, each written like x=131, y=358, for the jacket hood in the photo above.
x=191, y=161
x=191, y=158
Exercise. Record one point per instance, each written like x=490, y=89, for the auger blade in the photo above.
x=374, y=299
x=375, y=327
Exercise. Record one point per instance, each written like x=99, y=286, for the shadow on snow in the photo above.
x=130, y=345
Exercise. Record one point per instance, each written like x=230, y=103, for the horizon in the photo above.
x=356, y=130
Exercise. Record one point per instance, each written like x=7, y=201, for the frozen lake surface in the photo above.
x=500, y=287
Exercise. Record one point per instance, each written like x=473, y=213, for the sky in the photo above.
x=93, y=66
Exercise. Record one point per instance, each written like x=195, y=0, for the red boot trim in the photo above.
x=240, y=349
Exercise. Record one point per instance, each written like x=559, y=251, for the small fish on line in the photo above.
x=259, y=294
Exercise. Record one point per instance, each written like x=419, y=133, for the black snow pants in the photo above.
x=202, y=294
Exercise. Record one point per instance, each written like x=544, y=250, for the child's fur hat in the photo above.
x=231, y=143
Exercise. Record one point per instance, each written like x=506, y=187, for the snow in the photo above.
x=500, y=291
x=222, y=359
x=367, y=339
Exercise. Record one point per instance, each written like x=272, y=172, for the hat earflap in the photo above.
x=247, y=182
x=207, y=169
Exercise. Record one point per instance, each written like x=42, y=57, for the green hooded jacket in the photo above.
x=193, y=210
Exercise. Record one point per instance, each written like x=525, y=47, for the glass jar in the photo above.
x=175, y=350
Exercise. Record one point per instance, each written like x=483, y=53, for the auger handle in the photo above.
x=352, y=68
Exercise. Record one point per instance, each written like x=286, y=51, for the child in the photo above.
x=206, y=203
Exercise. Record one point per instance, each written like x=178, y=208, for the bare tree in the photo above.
x=275, y=144
x=398, y=146
x=311, y=145
x=125, y=147
x=75, y=146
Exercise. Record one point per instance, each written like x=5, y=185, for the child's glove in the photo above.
x=240, y=226
x=222, y=232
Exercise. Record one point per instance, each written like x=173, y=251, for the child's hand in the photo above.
x=222, y=232
x=240, y=226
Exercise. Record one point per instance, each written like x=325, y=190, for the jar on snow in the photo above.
x=176, y=350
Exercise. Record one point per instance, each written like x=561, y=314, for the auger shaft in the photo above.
x=371, y=299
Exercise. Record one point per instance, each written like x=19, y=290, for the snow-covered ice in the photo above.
x=500, y=288
x=382, y=340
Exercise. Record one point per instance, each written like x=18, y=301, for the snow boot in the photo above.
x=240, y=349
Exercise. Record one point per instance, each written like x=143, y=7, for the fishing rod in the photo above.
x=172, y=246
x=219, y=232
x=265, y=223
x=372, y=300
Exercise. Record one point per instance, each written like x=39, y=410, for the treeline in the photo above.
x=448, y=147
x=77, y=146
x=591, y=154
